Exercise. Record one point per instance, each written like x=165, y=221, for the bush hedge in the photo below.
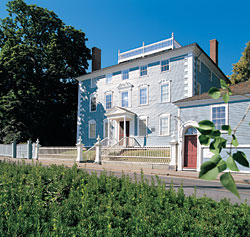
x=59, y=201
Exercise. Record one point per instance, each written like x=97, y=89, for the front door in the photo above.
x=121, y=132
x=190, y=151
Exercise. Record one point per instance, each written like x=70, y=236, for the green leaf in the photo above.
x=228, y=182
x=215, y=133
x=216, y=158
x=204, y=132
x=234, y=141
x=209, y=171
x=206, y=125
x=217, y=144
x=241, y=158
x=225, y=97
x=214, y=93
x=223, y=84
x=204, y=140
x=231, y=164
x=227, y=128
x=222, y=165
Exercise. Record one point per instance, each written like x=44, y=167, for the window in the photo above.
x=93, y=82
x=125, y=75
x=199, y=65
x=210, y=75
x=92, y=129
x=198, y=88
x=143, y=70
x=219, y=116
x=165, y=93
x=142, y=126
x=165, y=65
x=92, y=103
x=125, y=99
x=105, y=126
x=108, y=78
x=108, y=101
x=143, y=96
x=164, y=124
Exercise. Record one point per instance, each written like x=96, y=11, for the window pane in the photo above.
x=143, y=70
x=108, y=78
x=93, y=104
x=125, y=99
x=108, y=101
x=165, y=93
x=92, y=128
x=106, y=129
x=164, y=126
x=164, y=65
x=125, y=75
x=143, y=96
x=219, y=116
x=142, y=127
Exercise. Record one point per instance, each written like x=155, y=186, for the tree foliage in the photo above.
x=241, y=69
x=39, y=58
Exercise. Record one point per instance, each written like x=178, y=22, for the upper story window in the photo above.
x=92, y=106
x=143, y=96
x=124, y=99
x=219, y=115
x=105, y=128
x=165, y=65
x=92, y=129
x=108, y=100
x=164, y=124
x=142, y=126
x=94, y=82
x=165, y=92
x=125, y=74
x=143, y=70
x=108, y=78
x=210, y=75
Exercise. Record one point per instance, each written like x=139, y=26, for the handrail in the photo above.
x=170, y=43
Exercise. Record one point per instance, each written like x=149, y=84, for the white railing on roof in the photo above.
x=170, y=43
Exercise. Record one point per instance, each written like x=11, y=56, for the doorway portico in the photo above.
x=123, y=121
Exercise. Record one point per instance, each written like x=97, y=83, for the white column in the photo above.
x=173, y=152
x=79, y=147
x=98, y=147
x=124, y=132
x=36, y=156
x=108, y=132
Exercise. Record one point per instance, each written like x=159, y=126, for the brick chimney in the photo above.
x=96, y=59
x=214, y=50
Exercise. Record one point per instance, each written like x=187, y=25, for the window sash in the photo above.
x=125, y=99
x=108, y=101
x=142, y=127
x=93, y=103
x=219, y=116
x=143, y=96
x=164, y=126
x=165, y=93
x=165, y=65
x=106, y=129
x=125, y=74
x=143, y=70
x=92, y=130
x=108, y=78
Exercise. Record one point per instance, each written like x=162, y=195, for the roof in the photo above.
x=156, y=54
x=237, y=89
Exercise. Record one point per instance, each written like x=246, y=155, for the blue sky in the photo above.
x=114, y=24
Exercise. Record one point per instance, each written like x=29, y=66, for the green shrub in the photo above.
x=58, y=201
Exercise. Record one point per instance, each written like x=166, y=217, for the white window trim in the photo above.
x=106, y=76
x=138, y=127
x=92, y=95
x=141, y=68
x=121, y=98
x=169, y=97
x=226, y=113
x=92, y=121
x=168, y=66
x=169, y=129
x=108, y=93
x=139, y=99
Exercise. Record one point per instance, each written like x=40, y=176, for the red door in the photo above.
x=121, y=133
x=190, y=151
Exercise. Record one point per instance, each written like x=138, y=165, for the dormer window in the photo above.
x=143, y=70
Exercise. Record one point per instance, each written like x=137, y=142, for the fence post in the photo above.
x=173, y=153
x=79, y=147
x=13, y=149
x=37, y=145
x=29, y=149
x=98, y=147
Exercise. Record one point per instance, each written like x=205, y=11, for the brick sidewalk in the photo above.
x=129, y=168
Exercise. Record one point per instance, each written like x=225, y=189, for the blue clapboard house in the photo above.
x=134, y=98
